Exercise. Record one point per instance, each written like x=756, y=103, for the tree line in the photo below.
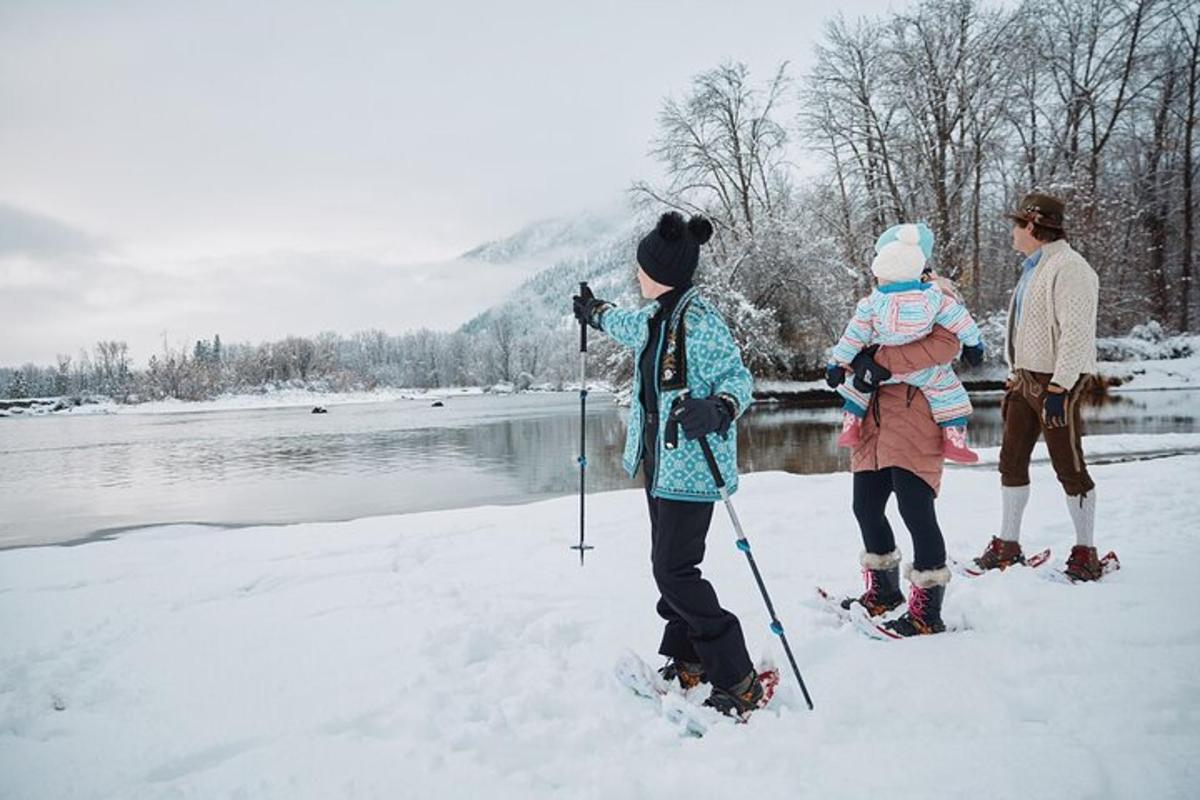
x=946, y=111
x=502, y=353
x=949, y=112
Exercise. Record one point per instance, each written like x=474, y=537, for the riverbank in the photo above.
x=277, y=398
x=466, y=654
x=1146, y=366
x=1140, y=363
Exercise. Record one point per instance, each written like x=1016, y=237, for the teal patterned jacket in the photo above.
x=709, y=364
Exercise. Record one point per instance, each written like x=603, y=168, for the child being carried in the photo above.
x=903, y=309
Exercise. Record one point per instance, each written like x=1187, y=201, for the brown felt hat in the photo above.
x=1040, y=209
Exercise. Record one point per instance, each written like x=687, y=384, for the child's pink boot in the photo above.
x=851, y=431
x=954, y=446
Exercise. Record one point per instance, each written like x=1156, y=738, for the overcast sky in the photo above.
x=258, y=169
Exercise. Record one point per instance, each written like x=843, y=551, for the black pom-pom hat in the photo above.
x=669, y=253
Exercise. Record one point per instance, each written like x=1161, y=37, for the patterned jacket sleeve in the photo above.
x=626, y=326
x=713, y=357
x=1076, y=295
x=857, y=334
x=954, y=317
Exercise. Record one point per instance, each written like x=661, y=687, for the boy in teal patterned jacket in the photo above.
x=683, y=350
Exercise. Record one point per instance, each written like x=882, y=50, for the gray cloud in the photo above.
x=26, y=233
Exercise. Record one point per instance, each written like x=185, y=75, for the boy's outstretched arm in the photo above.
x=624, y=326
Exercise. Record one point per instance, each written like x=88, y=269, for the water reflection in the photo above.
x=63, y=478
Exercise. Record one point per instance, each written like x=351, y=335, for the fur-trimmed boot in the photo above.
x=881, y=576
x=1000, y=554
x=926, y=590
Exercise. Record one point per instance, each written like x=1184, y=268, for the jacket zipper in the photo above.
x=658, y=463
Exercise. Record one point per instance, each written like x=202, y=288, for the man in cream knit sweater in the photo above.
x=1051, y=351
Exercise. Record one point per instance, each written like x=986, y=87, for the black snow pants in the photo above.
x=697, y=628
x=915, y=500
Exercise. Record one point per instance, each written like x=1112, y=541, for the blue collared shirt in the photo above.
x=1026, y=276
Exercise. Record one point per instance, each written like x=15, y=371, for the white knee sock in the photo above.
x=1083, y=514
x=1014, y=498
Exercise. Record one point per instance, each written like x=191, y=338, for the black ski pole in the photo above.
x=743, y=543
x=581, y=547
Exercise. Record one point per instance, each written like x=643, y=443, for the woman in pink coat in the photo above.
x=900, y=453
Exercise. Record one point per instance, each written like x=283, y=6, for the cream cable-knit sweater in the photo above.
x=1057, y=329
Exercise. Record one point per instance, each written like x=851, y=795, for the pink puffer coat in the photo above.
x=899, y=430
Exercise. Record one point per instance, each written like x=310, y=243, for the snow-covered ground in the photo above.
x=466, y=654
x=1154, y=375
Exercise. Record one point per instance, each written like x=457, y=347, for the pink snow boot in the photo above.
x=851, y=431
x=954, y=446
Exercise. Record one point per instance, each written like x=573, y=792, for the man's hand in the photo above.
x=1056, y=406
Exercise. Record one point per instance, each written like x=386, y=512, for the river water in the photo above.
x=68, y=478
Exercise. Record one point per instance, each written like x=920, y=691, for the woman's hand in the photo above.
x=587, y=307
x=702, y=417
x=868, y=375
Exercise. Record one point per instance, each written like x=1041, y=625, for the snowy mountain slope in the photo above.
x=466, y=654
x=542, y=302
x=552, y=239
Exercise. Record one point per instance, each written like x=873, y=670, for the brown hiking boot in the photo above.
x=1083, y=564
x=741, y=699
x=690, y=674
x=1000, y=554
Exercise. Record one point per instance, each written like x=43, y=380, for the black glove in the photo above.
x=702, y=417
x=587, y=308
x=1055, y=407
x=973, y=354
x=834, y=375
x=867, y=374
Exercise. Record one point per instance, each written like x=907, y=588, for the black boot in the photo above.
x=881, y=575
x=740, y=700
x=689, y=673
x=924, y=614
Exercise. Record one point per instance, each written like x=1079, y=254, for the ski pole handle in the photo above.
x=712, y=462
x=583, y=326
x=671, y=434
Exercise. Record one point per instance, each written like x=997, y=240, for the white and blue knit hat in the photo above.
x=901, y=252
